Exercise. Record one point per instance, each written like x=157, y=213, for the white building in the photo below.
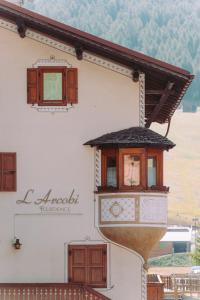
x=177, y=239
x=83, y=215
x=180, y=237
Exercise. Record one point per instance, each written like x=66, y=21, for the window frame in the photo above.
x=41, y=100
x=35, y=84
x=106, y=153
x=143, y=153
x=134, y=152
x=158, y=154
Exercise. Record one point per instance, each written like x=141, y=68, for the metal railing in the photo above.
x=183, y=283
x=48, y=291
x=167, y=280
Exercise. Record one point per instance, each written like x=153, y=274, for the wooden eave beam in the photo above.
x=163, y=99
x=21, y=27
x=157, y=92
x=79, y=52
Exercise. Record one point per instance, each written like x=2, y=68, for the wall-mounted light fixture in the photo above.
x=17, y=245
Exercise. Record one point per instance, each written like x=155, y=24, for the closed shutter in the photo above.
x=97, y=261
x=72, y=85
x=88, y=265
x=77, y=264
x=1, y=172
x=32, y=86
x=8, y=171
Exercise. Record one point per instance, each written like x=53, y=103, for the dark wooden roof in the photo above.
x=165, y=83
x=132, y=137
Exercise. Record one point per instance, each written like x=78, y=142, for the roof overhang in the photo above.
x=165, y=84
x=134, y=137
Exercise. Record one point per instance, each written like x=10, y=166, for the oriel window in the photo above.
x=132, y=169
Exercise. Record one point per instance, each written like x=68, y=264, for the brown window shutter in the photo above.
x=32, y=86
x=8, y=172
x=1, y=172
x=87, y=264
x=72, y=85
x=97, y=265
x=77, y=264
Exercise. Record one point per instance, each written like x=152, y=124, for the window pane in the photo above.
x=131, y=170
x=151, y=171
x=111, y=171
x=52, y=86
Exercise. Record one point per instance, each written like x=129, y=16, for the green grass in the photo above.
x=171, y=260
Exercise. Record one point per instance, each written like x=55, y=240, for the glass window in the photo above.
x=52, y=86
x=151, y=171
x=111, y=171
x=131, y=170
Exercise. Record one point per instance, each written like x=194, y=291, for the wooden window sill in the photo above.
x=159, y=189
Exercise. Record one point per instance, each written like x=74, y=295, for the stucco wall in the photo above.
x=51, y=155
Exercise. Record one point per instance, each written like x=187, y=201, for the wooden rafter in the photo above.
x=157, y=92
x=79, y=52
x=21, y=27
x=158, y=107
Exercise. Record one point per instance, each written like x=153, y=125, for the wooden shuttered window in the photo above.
x=52, y=86
x=72, y=86
x=35, y=84
x=87, y=264
x=32, y=86
x=8, y=172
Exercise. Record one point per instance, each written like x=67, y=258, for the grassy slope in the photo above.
x=182, y=167
x=177, y=259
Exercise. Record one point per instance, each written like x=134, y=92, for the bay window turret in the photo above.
x=132, y=160
x=131, y=199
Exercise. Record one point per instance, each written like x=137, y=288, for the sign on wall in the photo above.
x=48, y=203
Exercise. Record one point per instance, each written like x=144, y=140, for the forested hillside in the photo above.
x=167, y=30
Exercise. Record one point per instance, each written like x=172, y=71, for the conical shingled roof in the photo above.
x=132, y=137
